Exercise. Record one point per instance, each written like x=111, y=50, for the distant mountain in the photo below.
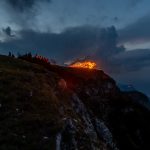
x=49, y=107
x=126, y=87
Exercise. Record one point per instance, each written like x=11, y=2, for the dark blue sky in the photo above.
x=113, y=32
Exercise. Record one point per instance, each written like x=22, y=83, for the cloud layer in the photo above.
x=56, y=15
x=69, y=44
x=136, y=32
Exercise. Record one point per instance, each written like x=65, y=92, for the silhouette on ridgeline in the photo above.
x=11, y=55
x=38, y=59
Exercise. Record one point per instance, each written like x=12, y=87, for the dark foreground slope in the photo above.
x=68, y=109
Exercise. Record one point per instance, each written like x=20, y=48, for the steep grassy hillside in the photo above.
x=28, y=106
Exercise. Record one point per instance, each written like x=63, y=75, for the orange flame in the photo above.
x=85, y=64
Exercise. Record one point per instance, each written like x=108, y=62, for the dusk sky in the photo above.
x=116, y=33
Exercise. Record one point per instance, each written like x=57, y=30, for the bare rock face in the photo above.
x=111, y=118
x=62, y=108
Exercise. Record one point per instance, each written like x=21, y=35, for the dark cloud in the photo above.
x=128, y=61
x=137, y=31
x=71, y=43
x=22, y=5
x=8, y=31
x=98, y=43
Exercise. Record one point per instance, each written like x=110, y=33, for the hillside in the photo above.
x=54, y=107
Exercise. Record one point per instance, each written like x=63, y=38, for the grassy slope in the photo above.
x=28, y=111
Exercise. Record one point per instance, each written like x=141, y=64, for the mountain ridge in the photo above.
x=62, y=108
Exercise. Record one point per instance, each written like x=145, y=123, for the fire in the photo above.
x=85, y=64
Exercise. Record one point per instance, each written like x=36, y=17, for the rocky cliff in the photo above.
x=63, y=108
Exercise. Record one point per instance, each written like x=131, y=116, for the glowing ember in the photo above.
x=85, y=64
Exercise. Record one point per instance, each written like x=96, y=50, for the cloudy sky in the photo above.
x=116, y=33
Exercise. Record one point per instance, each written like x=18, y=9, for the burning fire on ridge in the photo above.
x=84, y=64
